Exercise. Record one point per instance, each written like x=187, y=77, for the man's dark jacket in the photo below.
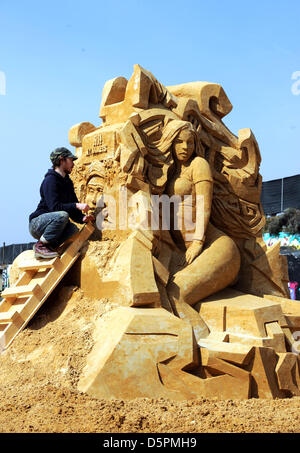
x=57, y=194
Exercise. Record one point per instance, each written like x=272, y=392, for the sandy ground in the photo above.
x=40, y=372
x=49, y=409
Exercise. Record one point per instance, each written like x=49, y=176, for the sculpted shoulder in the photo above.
x=201, y=170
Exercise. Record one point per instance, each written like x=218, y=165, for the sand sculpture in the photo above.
x=200, y=308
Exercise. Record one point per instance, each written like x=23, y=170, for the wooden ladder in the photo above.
x=36, y=283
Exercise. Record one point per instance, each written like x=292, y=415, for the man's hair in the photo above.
x=57, y=161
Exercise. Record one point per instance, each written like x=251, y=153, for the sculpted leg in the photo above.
x=213, y=270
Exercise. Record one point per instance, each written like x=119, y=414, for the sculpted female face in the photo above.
x=184, y=145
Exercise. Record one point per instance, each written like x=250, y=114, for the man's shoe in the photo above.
x=52, y=248
x=42, y=251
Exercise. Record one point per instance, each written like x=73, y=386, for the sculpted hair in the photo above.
x=160, y=155
x=171, y=132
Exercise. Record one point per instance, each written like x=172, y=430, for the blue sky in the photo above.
x=56, y=57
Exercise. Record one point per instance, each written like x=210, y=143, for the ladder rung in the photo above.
x=9, y=316
x=20, y=291
x=38, y=264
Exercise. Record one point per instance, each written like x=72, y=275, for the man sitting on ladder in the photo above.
x=50, y=223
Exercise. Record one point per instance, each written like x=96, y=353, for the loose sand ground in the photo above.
x=40, y=371
x=48, y=408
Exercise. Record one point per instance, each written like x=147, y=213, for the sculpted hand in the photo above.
x=193, y=251
x=84, y=207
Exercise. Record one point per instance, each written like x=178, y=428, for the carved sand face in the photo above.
x=184, y=145
x=94, y=190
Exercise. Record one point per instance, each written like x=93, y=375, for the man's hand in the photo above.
x=84, y=207
x=88, y=218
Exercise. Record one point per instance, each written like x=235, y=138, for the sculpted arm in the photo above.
x=203, y=181
x=204, y=194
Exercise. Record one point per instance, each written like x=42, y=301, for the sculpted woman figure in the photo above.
x=207, y=260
